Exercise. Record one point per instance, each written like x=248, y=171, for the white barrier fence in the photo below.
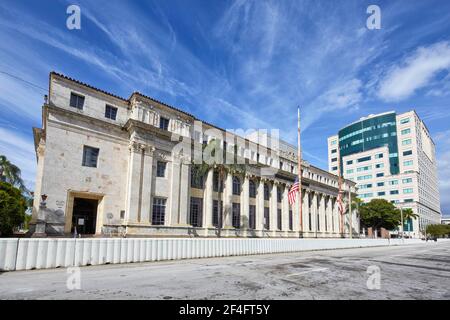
x=26, y=254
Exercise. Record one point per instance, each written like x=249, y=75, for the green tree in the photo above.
x=12, y=208
x=214, y=157
x=438, y=230
x=11, y=174
x=379, y=213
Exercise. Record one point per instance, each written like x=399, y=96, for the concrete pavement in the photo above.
x=406, y=272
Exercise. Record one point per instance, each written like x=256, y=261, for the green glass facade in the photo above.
x=375, y=132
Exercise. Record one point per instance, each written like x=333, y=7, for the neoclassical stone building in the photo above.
x=114, y=166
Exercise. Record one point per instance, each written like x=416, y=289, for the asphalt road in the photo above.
x=405, y=272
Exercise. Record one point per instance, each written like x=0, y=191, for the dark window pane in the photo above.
x=196, y=179
x=279, y=196
x=236, y=186
x=236, y=215
x=252, y=217
x=159, y=211
x=252, y=189
x=161, y=169
x=76, y=101
x=266, y=192
x=164, y=123
x=110, y=112
x=217, y=213
x=291, y=224
x=196, y=212
x=90, y=156
x=279, y=219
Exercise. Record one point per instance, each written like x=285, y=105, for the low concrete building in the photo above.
x=109, y=165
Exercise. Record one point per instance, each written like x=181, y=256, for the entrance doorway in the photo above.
x=84, y=215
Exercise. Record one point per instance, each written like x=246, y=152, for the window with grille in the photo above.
x=76, y=101
x=266, y=192
x=252, y=189
x=110, y=112
x=163, y=123
x=195, y=217
x=279, y=219
x=266, y=218
x=196, y=179
x=252, y=217
x=159, y=211
x=217, y=213
x=90, y=156
x=236, y=186
x=161, y=169
x=236, y=218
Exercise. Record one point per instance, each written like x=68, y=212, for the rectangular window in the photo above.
x=76, y=101
x=252, y=217
x=216, y=182
x=407, y=153
x=159, y=211
x=405, y=120
x=333, y=142
x=196, y=179
x=393, y=182
x=382, y=193
x=406, y=131
x=366, y=168
x=407, y=180
x=334, y=168
x=394, y=192
x=236, y=218
x=279, y=219
x=406, y=142
x=195, y=215
x=379, y=156
x=409, y=200
x=266, y=218
x=408, y=163
x=161, y=169
x=380, y=184
x=333, y=151
x=164, y=123
x=90, y=156
x=408, y=190
x=334, y=160
x=350, y=171
x=379, y=165
x=349, y=162
x=110, y=112
x=363, y=159
x=216, y=212
x=364, y=177
x=266, y=192
x=380, y=174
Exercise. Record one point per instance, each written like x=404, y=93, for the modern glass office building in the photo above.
x=390, y=156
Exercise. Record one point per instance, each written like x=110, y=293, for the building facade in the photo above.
x=114, y=166
x=390, y=156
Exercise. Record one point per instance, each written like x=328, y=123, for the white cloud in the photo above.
x=414, y=72
x=442, y=140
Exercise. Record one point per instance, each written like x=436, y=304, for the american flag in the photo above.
x=292, y=194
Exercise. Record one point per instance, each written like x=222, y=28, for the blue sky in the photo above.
x=238, y=64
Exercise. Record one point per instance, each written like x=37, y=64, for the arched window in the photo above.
x=236, y=186
x=252, y=189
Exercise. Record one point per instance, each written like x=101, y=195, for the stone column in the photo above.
x=147, y=181
x=322, y=213
x=330, y=214
x=259, y=219
x=285, y=210
x=134, y=183
x=185, y=185
x=208, y=202
x=175, y=190
x=273, y=205
x=314, y=214
x=305, y=211
x=296, y=216
x=245, y=202
x=228, y=202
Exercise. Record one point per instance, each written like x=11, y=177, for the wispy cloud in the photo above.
x=414, y=72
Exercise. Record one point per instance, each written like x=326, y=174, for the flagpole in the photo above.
x=340, y=206
x=299, y=157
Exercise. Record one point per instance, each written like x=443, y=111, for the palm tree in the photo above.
x=408, y=214
x=218, y=164
x=11, y=174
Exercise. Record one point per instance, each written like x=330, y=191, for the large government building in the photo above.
x=133, y=167
x=391, y=156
